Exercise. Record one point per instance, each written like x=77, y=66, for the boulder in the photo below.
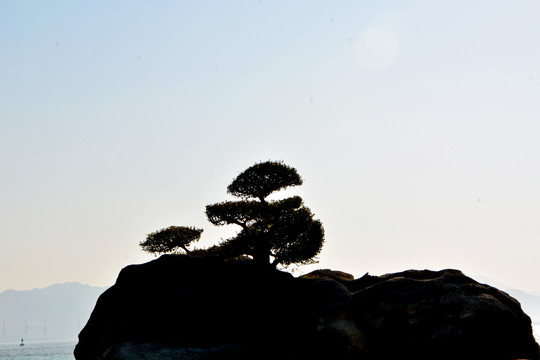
x=182, y=307
x=440, y=315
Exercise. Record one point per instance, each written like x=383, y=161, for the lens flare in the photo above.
x=377, y=47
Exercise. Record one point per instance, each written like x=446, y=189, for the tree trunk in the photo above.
x=185, y=249
x=262, y=245
x=262, y=251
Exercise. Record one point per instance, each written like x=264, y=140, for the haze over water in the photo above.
x=54, y=350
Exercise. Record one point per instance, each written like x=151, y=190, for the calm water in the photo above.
x=38, y=351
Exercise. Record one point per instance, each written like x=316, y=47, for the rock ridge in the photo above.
x=182, y=307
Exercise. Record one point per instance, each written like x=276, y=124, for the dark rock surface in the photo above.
x=441, y=312
x=181, y=307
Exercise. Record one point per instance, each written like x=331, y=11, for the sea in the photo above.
x=52, y=350
x=63, y=350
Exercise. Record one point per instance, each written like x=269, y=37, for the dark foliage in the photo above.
x=247, y=212
x=280, y=231
x=261, y=179
x=171, y=239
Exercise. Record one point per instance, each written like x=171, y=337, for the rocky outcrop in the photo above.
x=181, y=307
x=441, y=312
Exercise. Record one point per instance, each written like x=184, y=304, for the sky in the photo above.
x=414, y=124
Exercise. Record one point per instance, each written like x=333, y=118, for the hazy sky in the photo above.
x=415, y=125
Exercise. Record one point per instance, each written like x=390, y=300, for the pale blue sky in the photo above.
x=415, y=124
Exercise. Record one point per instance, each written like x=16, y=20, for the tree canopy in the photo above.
x=261, y=179
x=171, y=239
x=272, y=231
x=279, y=231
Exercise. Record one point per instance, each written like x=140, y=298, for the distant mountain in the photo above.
x=57, y=312
x=530, y=302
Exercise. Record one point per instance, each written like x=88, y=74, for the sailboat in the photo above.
x=22, y=342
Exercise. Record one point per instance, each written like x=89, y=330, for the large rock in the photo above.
x=440, y=314
x=181, y=307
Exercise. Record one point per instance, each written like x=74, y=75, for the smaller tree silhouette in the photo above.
x=172, y=239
